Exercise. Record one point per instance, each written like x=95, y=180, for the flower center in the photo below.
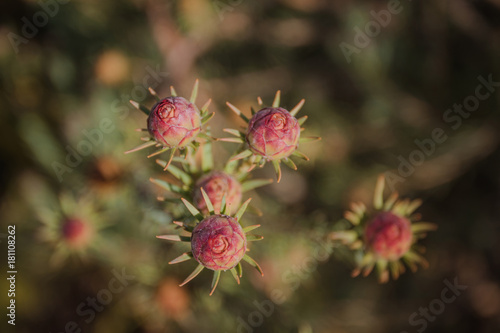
x=219, y=244
x=278, y=121
x=167, y=110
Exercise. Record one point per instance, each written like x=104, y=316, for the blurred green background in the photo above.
x=69, y=68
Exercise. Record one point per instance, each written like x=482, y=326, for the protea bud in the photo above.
x=389, y=236
x=218, y=242
x=386, y=239
x=76, y=232
x=217, y=185
x=174, y=122
x=273, y=133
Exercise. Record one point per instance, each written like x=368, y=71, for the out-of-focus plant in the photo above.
x=385, y=237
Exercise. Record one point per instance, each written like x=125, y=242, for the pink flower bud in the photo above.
x=217, y=184
x=218, y=242
x=388, y=235
x=76, y=233
x=174, y=122
x=273, y=133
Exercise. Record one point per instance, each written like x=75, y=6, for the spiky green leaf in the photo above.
x=243, y=154
x=297, y=107
x=215, y=281
x=254, y=183
x=253, y=263
x=175, y=238
x=191, y=276
x=154, y=94
x=143, y=146
x=378, y=198
x=239, y=269
x=194, y=93
x=140, y=107
x=242, y=209
x=176, y=172
x=238, y=112
x=207, y=160
x=192, y=209
x=305, y=139
x=183, y=226
x=208, y=202
x=277, y=169
x=289, y=163
x=207, y=117
x=302, y=120
x=173, y=92
x=254, y=238
x=250, y=228
x=158, y=152
x=205, y=106
x=301, y=155
x=183, y=257
x=223, y=205
x=277, y=97
x=165, y=185
x=235, y=275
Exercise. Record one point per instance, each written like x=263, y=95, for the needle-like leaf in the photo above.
x=154, y=94
x=277, y=97
x=242, y=209
x=194, y=93
x=253, y=263
x=191, y=276
x=143, y=146
x=175, y=238
x=183, y=257
x=297, y=107
x=215, y=281
x=140, y=107
x=192, y=209
x=277, y=169
x=254, y=183
x=238, y=112
x=208, y=202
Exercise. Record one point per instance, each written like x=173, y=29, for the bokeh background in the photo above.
x=70, y=78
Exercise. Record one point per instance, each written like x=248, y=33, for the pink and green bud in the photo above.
x=76, y=233
x=389, y=236
x=217, y=185
x=174, y=122
x=218, y=242
x=273, y=133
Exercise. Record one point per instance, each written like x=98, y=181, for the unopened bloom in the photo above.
x=76, y=233
x=273, y=133
x=389, y=236
x=174, y=122
x=385, y=238
x=218, y=184
x=218, y=242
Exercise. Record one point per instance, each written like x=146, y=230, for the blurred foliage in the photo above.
x=72, y=80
